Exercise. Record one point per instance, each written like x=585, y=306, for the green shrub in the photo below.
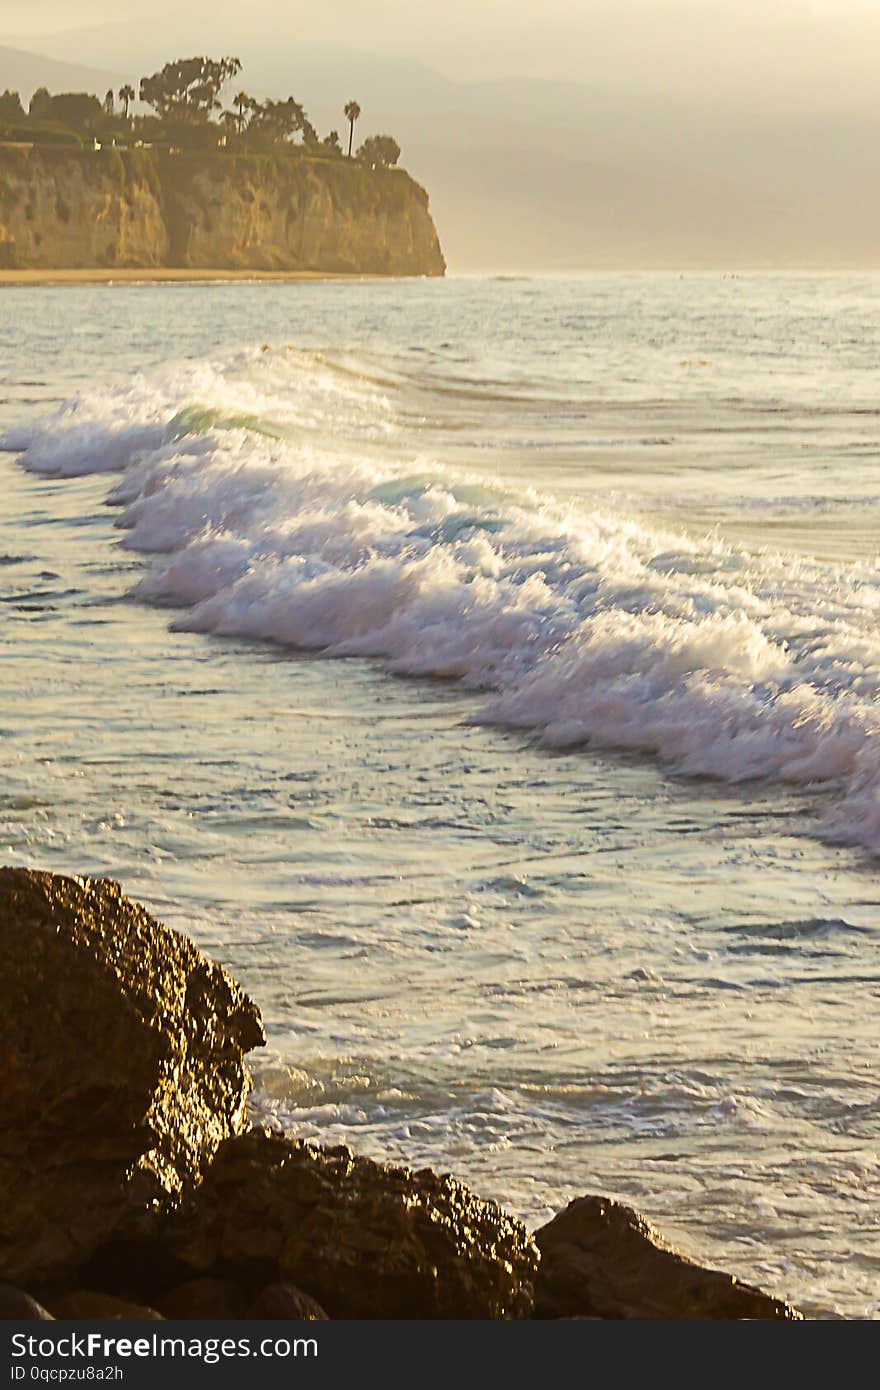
x=11, y=108
x=40, y=133
x=190, y=135
x=79, y=110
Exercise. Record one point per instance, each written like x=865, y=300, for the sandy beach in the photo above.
x=165, y=276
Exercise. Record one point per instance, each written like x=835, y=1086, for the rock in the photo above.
x=221, y=1298
x=204, y=1298
x=87, y=1304
x=122, y=1047
x=285, y=1301
x=364, y=1239
x=18, y=1306
x=147, y=209
x=601, y=1259
x=126, y=1164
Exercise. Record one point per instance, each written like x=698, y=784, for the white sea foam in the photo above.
x=287, y=504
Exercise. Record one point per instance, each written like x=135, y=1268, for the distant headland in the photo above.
x=91, y=185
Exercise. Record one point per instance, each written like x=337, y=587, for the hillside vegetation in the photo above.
x=169, y=176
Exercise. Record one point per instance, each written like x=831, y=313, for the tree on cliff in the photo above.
x=188, y=113
x=11, y=108
x=189, y=88
x=379, y=151
x=79, y=111
x=38, y=110
x=243, y=103
x=352, y=112
x=280, y=121
x=126, y=96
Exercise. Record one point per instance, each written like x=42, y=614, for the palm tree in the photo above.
x=126, y=96
x=243, y=103
x=352, y=111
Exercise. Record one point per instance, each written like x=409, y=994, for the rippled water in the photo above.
x=514, y=734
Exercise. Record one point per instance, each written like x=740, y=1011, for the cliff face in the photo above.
x=63, y=209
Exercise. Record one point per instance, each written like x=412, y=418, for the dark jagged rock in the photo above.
x=203, y=1298
x=601, y=1259
x=88, y=1304
x=129, y=1183
x=123, y=1071
x=364, y=1239
x=18, y=1306
x=287, y=1302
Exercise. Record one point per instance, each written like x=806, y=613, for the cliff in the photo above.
x=145, y=209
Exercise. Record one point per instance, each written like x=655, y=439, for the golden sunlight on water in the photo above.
x=489, y=926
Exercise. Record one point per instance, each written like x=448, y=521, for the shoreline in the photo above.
x=167, y=275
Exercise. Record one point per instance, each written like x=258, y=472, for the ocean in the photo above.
x=486, y=671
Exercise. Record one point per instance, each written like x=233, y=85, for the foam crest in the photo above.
x=274, y=515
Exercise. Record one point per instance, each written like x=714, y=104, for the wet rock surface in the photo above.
x=601, y=1259
x=365, y=1239
x=123, y=1067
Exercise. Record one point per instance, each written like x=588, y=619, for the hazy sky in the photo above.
x=565, y=132
x=815, y=50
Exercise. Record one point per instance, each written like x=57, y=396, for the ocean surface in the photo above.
x=487, y=672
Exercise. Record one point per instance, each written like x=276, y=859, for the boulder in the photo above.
x=129, y=1180
x=87, y=1305
x=18, y=1306
x=203, y=1298
x=601, y=1259
x=366, y=1240
x=285, y=1301
x=123, y=1068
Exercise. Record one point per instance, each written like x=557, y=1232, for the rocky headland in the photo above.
x=144, y=209
x=132, y=1183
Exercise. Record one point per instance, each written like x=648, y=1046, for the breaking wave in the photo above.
x=285, y=497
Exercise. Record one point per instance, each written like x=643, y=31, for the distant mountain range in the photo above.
x=23, y=72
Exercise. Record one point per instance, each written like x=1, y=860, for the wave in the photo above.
x=286, y=501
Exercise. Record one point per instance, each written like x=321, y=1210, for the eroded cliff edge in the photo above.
x=145, y=209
